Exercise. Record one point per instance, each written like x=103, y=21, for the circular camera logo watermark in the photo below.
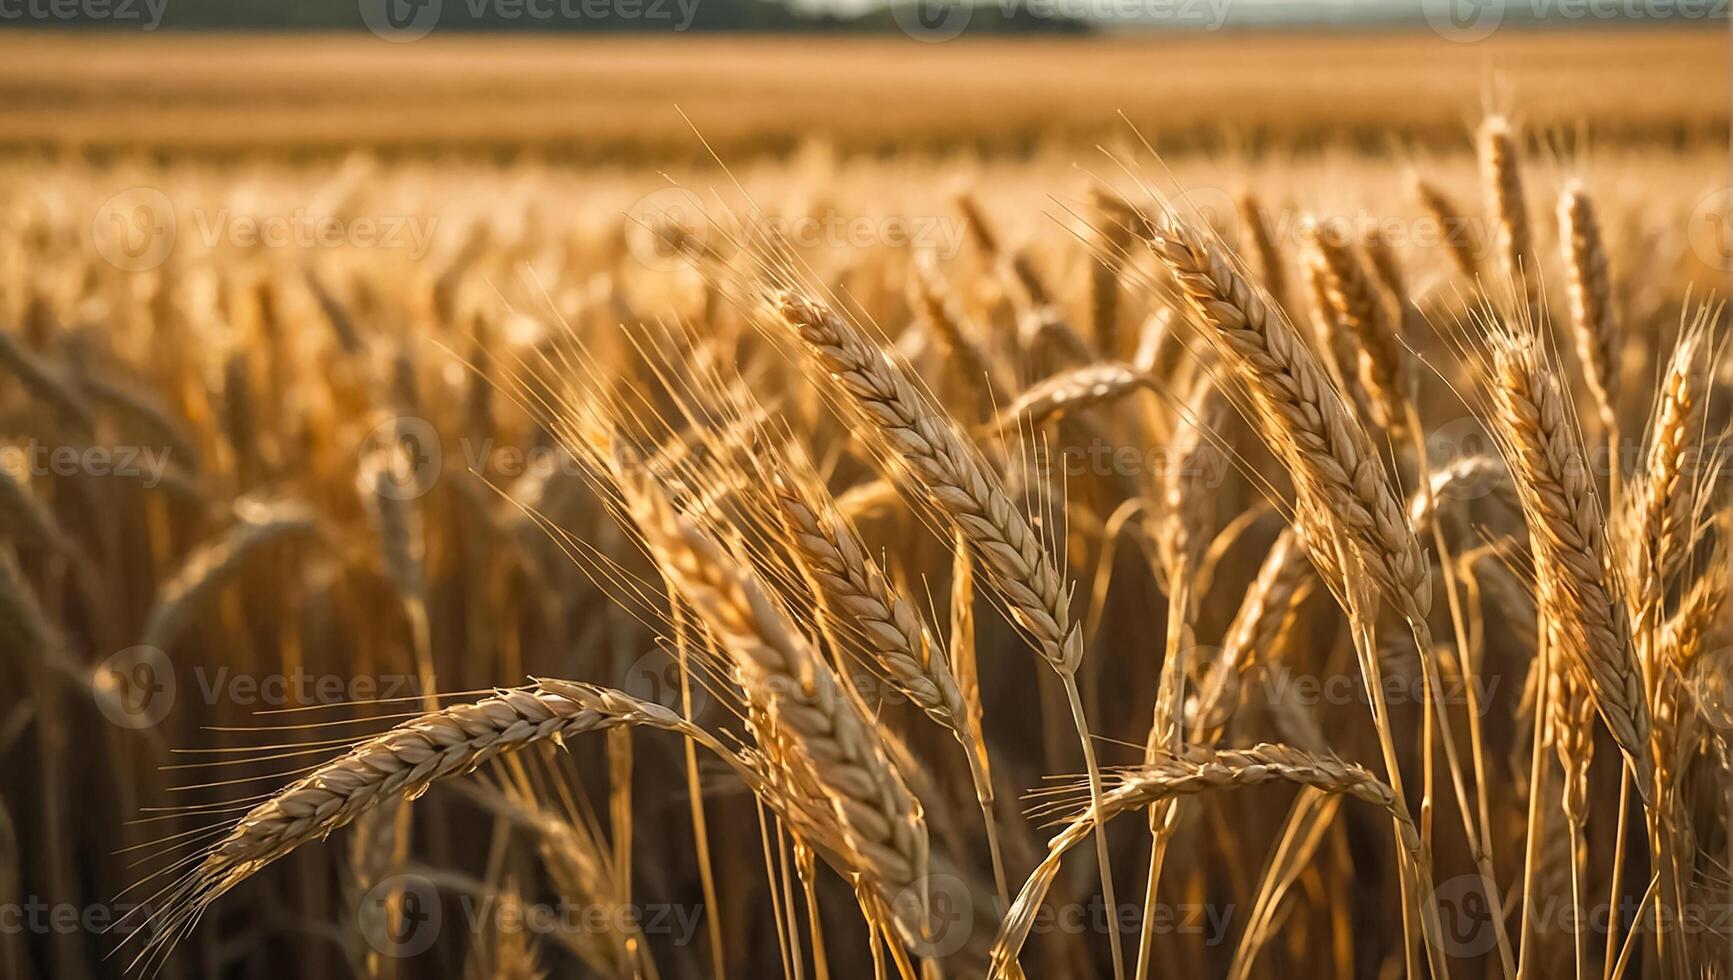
x=1213, y=207
x=655, y=677
x=1455, y=441
x=1463, y=21
x=135, y=230
x=1709, y=232
x=135, y=688
x=1465, y=914
x=413, y=470
x=1712, y=685
x=1216, y=688
x=932, y=21
x=400, y=916
x=399, y=21
x=667, y=228
x=946, y=906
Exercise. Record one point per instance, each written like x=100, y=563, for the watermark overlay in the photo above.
x=1466, y=437
x=400, y=916
x=135, y=230
x=1465, y=916
x=146, y=464
x=417, y=466
x=673, y=227
x=933, y=21
x=136, y=687
x=400, y=21
x=1709, y=230
x=1203, y=465
x=655, y=677
x=1711, y=682
x=146, y=15
x=34, y=915
x=278, y=690
x=138, y=229
x=404, y=915
x=949, y=906
x=1466, y=21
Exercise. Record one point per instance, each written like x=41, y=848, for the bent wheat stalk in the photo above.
x=402, y=764
x=1170, y=777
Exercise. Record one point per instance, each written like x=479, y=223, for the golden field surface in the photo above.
x=614, y=97
x=451, y=525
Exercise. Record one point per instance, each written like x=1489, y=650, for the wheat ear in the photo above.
x=1501, y=180
x=1591, y=299
x=856, y=588
x=950, y=471
x=1270, y=270
x=1380, y=360
x=213, y=565
x=785, y=678
x=402, y=764
x=938, y=310
x=1326, y=449
x=1546, y=459
x=1452, y=223
x=1076, y=389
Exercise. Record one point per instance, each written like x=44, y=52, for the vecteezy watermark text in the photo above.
x=146, y=14
x=144, y=463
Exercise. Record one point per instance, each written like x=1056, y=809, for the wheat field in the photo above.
x=1187, y=524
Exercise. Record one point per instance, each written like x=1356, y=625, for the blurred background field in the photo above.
x=612, y=98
